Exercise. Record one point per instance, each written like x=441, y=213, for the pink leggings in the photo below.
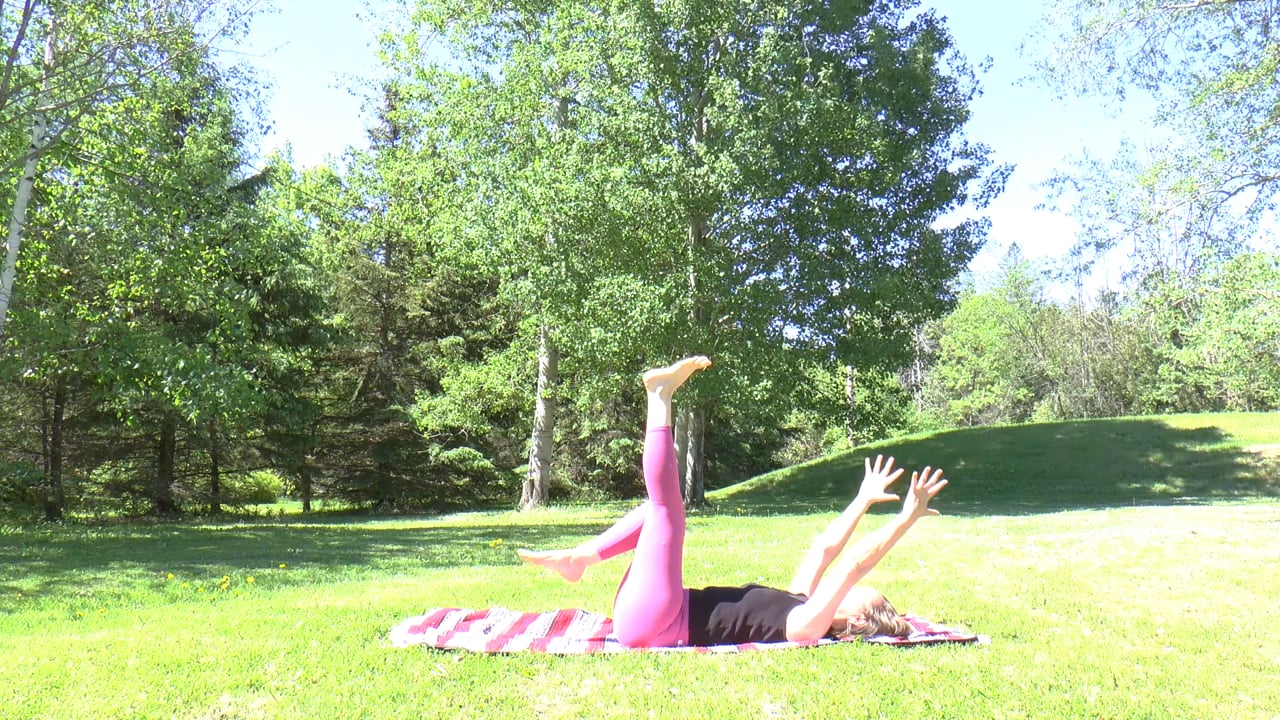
x=651, y=607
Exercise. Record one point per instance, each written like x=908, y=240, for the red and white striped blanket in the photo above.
x=573, y=632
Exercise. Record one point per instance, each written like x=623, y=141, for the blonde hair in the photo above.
x=881, y=619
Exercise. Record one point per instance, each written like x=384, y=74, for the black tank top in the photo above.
x=731, y=615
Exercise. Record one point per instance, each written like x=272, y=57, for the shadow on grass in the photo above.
x=64, y=558
x=1038, y=468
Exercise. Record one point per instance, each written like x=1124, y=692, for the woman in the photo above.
x=654, y=609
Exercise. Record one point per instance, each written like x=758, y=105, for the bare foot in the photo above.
x=671, y=377
x=569, y=566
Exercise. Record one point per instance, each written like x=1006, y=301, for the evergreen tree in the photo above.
x=401, y=313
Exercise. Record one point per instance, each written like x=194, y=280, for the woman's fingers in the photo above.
x=928, y=481
x=882, y=467
x=928, y=477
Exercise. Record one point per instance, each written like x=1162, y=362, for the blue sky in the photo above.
x=315, y=55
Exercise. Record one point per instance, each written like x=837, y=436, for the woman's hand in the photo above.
x=876, y=482
x=924, y=487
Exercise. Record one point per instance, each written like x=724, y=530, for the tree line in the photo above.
x=457, y=314
x=1176, y=342
x=554, y=196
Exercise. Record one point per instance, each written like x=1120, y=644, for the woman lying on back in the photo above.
x=654, y=609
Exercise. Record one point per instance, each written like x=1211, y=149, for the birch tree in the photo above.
x=63, y=61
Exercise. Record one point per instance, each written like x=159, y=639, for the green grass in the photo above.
x=1122, y=568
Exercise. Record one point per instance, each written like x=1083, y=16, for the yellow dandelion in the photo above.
x=186, y=584
x=169, y=576
x=249, y=579
x=283, y=566
x=79, y=614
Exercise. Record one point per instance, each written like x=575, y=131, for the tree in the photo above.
x=166, y=308
x=404, y=317
x=65, y=60
x=768, y=179
x=1213, y=338
x=1186, y=343
x=981, y=374
x=1210, y=65
x=1238, y=337
x=543, y=200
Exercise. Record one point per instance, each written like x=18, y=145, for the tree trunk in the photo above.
x=26, y=186
x=305, y=470
x=695, y=461
x=162, y=501
x=44, y=435
x=537, y=480
x=918, y=367
x=694, y=415
x=215, y=470
x=55, y=497
x=851, y=405
x=304, y=489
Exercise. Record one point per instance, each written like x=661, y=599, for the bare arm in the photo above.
x=827, y=546
x=812, y=620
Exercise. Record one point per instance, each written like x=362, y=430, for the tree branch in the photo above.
x=28, y=8
x=103, y=86
x=1195, y=4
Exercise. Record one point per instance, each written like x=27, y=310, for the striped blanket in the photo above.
x=572, y=632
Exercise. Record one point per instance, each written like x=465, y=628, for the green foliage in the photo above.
x=165, y=307
x=1215, y=337
x=1237, y=338
x=1198, y=197
x=18, y=482
x=260, y=487
x=1187, y=343
x=408, y=324
x=764, y=184
x=990, y=363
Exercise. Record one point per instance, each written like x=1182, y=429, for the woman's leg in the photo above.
x=650, y=607
x=619, y=538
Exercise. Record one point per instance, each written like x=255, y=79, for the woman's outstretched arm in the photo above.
x=812, y=620
x=830, y=542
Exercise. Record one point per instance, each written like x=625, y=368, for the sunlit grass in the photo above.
x=1151, y=596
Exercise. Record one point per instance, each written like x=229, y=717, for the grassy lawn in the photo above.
x=1122, y=568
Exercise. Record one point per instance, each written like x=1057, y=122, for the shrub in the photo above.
x=259, y=487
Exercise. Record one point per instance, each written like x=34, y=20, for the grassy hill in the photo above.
x=1050, y=467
